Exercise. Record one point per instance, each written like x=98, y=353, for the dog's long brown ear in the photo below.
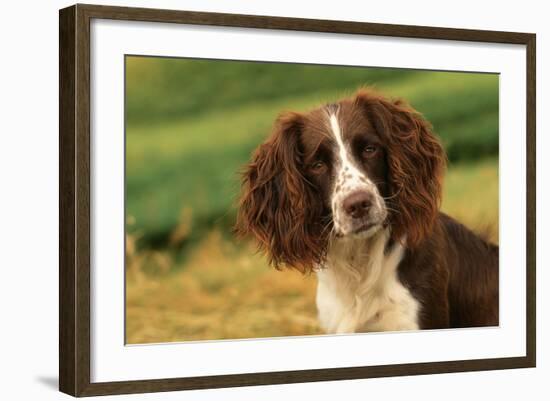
x=278, y=205
x=416, y=162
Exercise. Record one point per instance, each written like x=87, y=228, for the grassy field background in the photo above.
x=192, y=124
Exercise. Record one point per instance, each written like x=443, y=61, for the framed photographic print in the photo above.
x=250, y=200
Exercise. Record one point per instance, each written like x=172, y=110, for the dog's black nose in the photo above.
x=357, y=205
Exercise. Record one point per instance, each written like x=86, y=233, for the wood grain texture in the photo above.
x=74, y=199
x=67, y=290
x=301, y=24
x=531, y=201
x=74, y=206
x=82, y=192
x=300, y=376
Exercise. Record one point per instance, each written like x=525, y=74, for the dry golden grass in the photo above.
x=222, y=291
x=471, y=196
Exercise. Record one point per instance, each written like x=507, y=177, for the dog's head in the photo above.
x=346, y=170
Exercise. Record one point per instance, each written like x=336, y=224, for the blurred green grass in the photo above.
x=201, y=86
x=189, y=133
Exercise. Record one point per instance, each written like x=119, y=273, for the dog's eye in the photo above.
x=369, y=151
x=318, y=167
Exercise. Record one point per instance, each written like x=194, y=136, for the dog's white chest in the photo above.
x=358, y=291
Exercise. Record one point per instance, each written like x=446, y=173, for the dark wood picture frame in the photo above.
x=74, y=202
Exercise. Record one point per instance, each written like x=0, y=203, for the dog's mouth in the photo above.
x=366, y=230
x=364, y=227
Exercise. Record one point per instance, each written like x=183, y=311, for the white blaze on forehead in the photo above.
x=344, y=157
x=338, y=136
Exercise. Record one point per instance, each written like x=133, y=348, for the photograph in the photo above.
x=270, y=199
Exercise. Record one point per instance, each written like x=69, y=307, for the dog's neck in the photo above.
x=359, y=289
x=363, y=256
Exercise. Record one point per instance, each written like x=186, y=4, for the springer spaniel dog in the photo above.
x=351, y=191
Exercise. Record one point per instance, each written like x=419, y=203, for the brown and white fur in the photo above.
x=352, y=190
